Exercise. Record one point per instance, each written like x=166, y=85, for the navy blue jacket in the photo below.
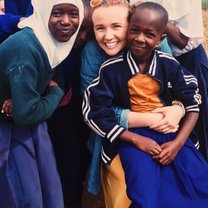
x=111, y=88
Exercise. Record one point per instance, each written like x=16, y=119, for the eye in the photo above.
x=133, y=30
x=74, y=14
x=116, y=26
x=56, y=13
x=99, y=28
x=150, y=35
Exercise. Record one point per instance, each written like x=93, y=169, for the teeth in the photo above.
x=111, y=45
x=65, y=31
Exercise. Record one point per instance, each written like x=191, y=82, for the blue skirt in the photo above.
x=28, y=172
x=182, y=184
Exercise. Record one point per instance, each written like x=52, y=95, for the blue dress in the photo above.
x=28, y=176
x=182, y=184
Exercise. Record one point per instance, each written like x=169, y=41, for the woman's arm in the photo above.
x=164, y=119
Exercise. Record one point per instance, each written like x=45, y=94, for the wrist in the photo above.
x=178, y=103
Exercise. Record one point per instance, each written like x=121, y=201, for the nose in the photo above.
x=109, y=34
x=140, y=37
x=66, y=20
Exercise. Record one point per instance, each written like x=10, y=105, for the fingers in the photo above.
x=156, y=150
x=158, y=125
x=164, y=127
x=7, y=107
x=170, y=130
x=163, y=158
x=158, y=110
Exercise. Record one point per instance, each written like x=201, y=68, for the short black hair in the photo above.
x=158, y=8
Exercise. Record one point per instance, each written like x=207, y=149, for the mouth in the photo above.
x=111, y=45
x=65, y=31
x=138, y=48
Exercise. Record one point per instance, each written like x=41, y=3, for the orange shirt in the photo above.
x=144, y=91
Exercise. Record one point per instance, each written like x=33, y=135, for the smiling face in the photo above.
x=110, y=26
x=144, y=33
x=63, y=21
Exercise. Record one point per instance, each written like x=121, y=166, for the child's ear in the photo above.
x=163, y=37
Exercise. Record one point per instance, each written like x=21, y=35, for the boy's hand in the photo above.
x=143, y=143
x=7, y=107
x=148, y=145
x=169, y=152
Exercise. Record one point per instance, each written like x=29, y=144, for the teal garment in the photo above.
x=24, y=75
x=92, y=58
x=164, y=46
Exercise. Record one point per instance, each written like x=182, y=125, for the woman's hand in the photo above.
x=7, y=107
x=170, y=122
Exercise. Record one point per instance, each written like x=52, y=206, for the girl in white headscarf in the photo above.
x=28, y=172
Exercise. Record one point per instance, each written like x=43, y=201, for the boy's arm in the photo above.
x=185, y=89
x=171, y=148
x=143, y=143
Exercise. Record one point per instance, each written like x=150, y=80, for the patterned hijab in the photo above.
x=38, y=22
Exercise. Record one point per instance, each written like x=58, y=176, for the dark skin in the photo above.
x=145, y=31
x=63, y=21
x=176, y=37
x=85, y=31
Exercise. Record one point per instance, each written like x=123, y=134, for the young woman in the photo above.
x=28, y=172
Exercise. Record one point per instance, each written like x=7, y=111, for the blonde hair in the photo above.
x=105, y=3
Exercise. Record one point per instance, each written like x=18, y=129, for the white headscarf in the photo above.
x=38, y=21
